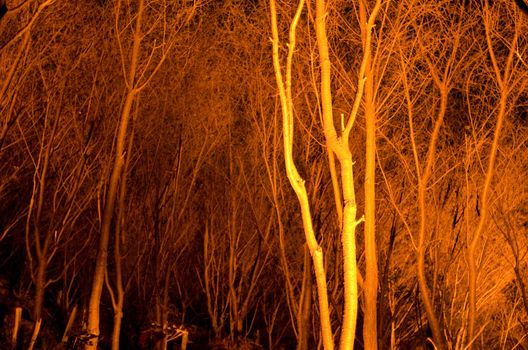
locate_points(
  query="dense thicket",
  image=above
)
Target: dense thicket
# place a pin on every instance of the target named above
(205, 237)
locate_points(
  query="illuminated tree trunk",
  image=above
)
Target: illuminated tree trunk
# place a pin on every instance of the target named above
(370, 285)
(338, 145)
(40, 287)
(505, 81)
(441, 75)
(34, 237)
(370, 291)
(305, 304)
(102, 253)
(423, 180)
(295, 179)
(118, 307)
(118, 296)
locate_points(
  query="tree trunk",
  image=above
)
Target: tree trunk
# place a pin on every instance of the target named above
(116, 331)
(102, 253)
(294, 177)
(305, 304)
(40, 288)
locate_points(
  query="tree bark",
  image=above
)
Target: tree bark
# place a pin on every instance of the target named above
(102, 253)
(370, 285)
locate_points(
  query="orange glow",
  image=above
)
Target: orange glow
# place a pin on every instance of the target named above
(263, 174)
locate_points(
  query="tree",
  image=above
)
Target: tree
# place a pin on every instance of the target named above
(507, 80)
(138, 70)
(338, 145)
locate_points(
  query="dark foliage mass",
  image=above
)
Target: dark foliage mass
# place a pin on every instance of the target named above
(3, 9)
(522, 5)
(169, 139)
